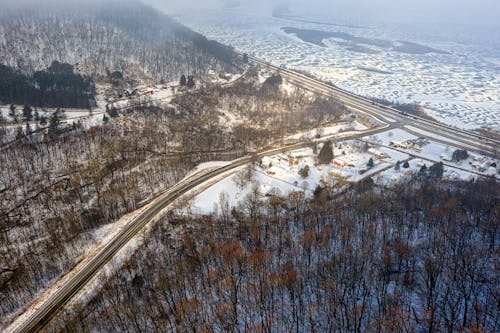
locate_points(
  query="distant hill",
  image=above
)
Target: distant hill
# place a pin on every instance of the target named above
(125, 36)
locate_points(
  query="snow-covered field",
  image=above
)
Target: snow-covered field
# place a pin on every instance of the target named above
(279, 174)
(459, 86)
(431, 151)
(329, 130)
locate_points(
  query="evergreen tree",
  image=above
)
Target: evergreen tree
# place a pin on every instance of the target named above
(116, 78)
(245, 58)
(12, 111)
(274, 80)
(36, 116)
(459, 155)
(326, 153)
(43, 121)
(105, 119)
(54, 125)
(318, 190)
(397, 167)
(304, 172)
(406, 165)
(370, 164)
(423, 171)
(183, 81)
(27, 113)
(436, 170)
(190, 81)
(19, 133)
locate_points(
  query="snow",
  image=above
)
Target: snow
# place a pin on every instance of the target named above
(432, 152)
(459, 88)
(279, 174)
(434, 136)
(207, 201)
(385, 138)
(288, 87)
(103, 235)
(391, 175)
(207, 166)
(329, 130)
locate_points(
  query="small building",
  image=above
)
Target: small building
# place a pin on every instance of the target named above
(339, 163)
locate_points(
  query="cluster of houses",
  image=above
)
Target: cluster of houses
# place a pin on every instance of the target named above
(415, 144)
(340, 161)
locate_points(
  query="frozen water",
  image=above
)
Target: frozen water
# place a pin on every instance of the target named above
(459, 86)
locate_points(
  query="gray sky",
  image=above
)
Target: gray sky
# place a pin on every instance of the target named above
(462, 13)
(482, 13)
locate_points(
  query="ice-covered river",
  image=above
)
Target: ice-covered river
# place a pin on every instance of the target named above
(456, 80)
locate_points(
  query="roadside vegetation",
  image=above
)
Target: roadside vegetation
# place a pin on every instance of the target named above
(419, 255)
(59, 187)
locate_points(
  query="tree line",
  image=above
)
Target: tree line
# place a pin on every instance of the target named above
(416, 256)
(57, 86)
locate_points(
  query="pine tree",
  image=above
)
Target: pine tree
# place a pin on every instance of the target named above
(304, 172)
(459, 155)
(54, 125)
(370, 164)
(27, 113)
(406, 165)
(326, 153)
(436, 170)
(183, 81)
(12, 111)
(190, 81)
(19, 133)
(423, 170)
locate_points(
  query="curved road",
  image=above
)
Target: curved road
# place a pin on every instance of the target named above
(428, 128)
(53, 304)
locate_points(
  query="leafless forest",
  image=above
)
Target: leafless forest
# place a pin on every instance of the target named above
(418, 256)
(125, 36)
(56, 191)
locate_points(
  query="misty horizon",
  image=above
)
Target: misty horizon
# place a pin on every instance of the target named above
(460, 13)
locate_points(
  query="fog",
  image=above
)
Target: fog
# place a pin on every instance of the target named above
(462, 13)
(458, 13)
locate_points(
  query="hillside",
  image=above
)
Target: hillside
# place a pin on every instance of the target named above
(406, 259)
(127, 36)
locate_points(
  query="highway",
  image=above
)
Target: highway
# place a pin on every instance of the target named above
(54, 303)
(460, 138)
(50, 307)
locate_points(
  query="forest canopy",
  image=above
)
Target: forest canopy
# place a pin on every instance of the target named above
(57, 86)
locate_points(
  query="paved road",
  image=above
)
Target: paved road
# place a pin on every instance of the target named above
(64, 294)
(430, 129)
(56, 302)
